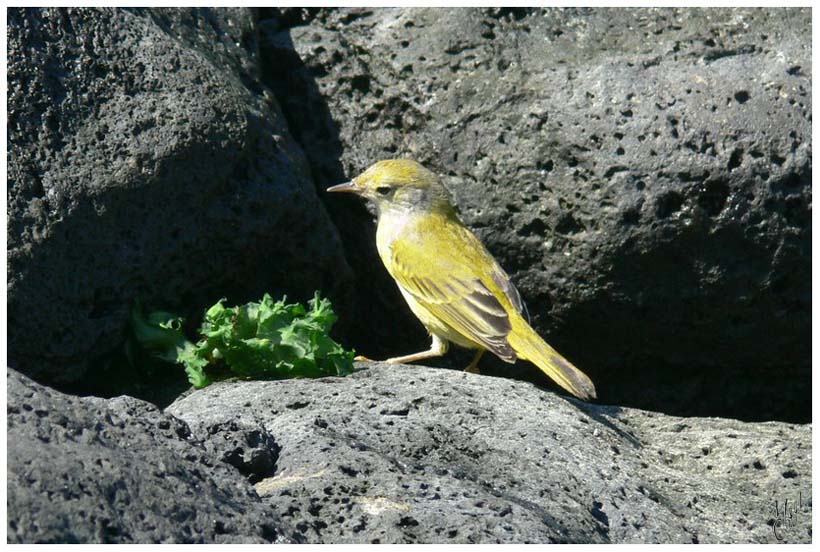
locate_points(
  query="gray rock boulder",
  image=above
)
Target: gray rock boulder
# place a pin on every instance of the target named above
(405, 454)
(83, 470)
(644, 175)
(147, 160)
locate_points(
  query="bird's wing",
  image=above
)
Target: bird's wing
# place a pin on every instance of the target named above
(453, 277)
(503, 280)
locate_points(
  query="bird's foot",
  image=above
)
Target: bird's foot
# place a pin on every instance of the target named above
(473, 367)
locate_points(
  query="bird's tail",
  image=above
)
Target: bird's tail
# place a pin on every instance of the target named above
(528, 345)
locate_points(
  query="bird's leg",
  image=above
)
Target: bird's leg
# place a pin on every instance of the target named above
(473, 367)
(437, 348)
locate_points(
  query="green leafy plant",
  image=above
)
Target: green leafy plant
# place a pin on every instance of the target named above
(268, 339)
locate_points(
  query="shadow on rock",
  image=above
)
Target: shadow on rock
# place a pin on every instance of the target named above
(381, 322)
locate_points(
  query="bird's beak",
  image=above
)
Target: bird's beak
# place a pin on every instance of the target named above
(344, 187)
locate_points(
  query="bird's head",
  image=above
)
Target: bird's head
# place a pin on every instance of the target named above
(399, 184)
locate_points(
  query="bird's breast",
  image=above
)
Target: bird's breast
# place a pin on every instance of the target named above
(391, 226)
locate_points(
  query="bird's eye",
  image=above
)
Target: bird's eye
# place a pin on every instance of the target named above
(383, 190)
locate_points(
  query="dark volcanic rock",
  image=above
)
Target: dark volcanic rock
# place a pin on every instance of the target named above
(411, 454)
(84, 470)
(146, 159)
(643, 175)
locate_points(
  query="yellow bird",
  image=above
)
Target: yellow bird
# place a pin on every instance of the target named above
(449, 279)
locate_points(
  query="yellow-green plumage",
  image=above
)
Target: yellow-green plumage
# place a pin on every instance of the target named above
(449, 279)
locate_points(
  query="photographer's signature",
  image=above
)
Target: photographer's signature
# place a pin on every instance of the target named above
(785, 514)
